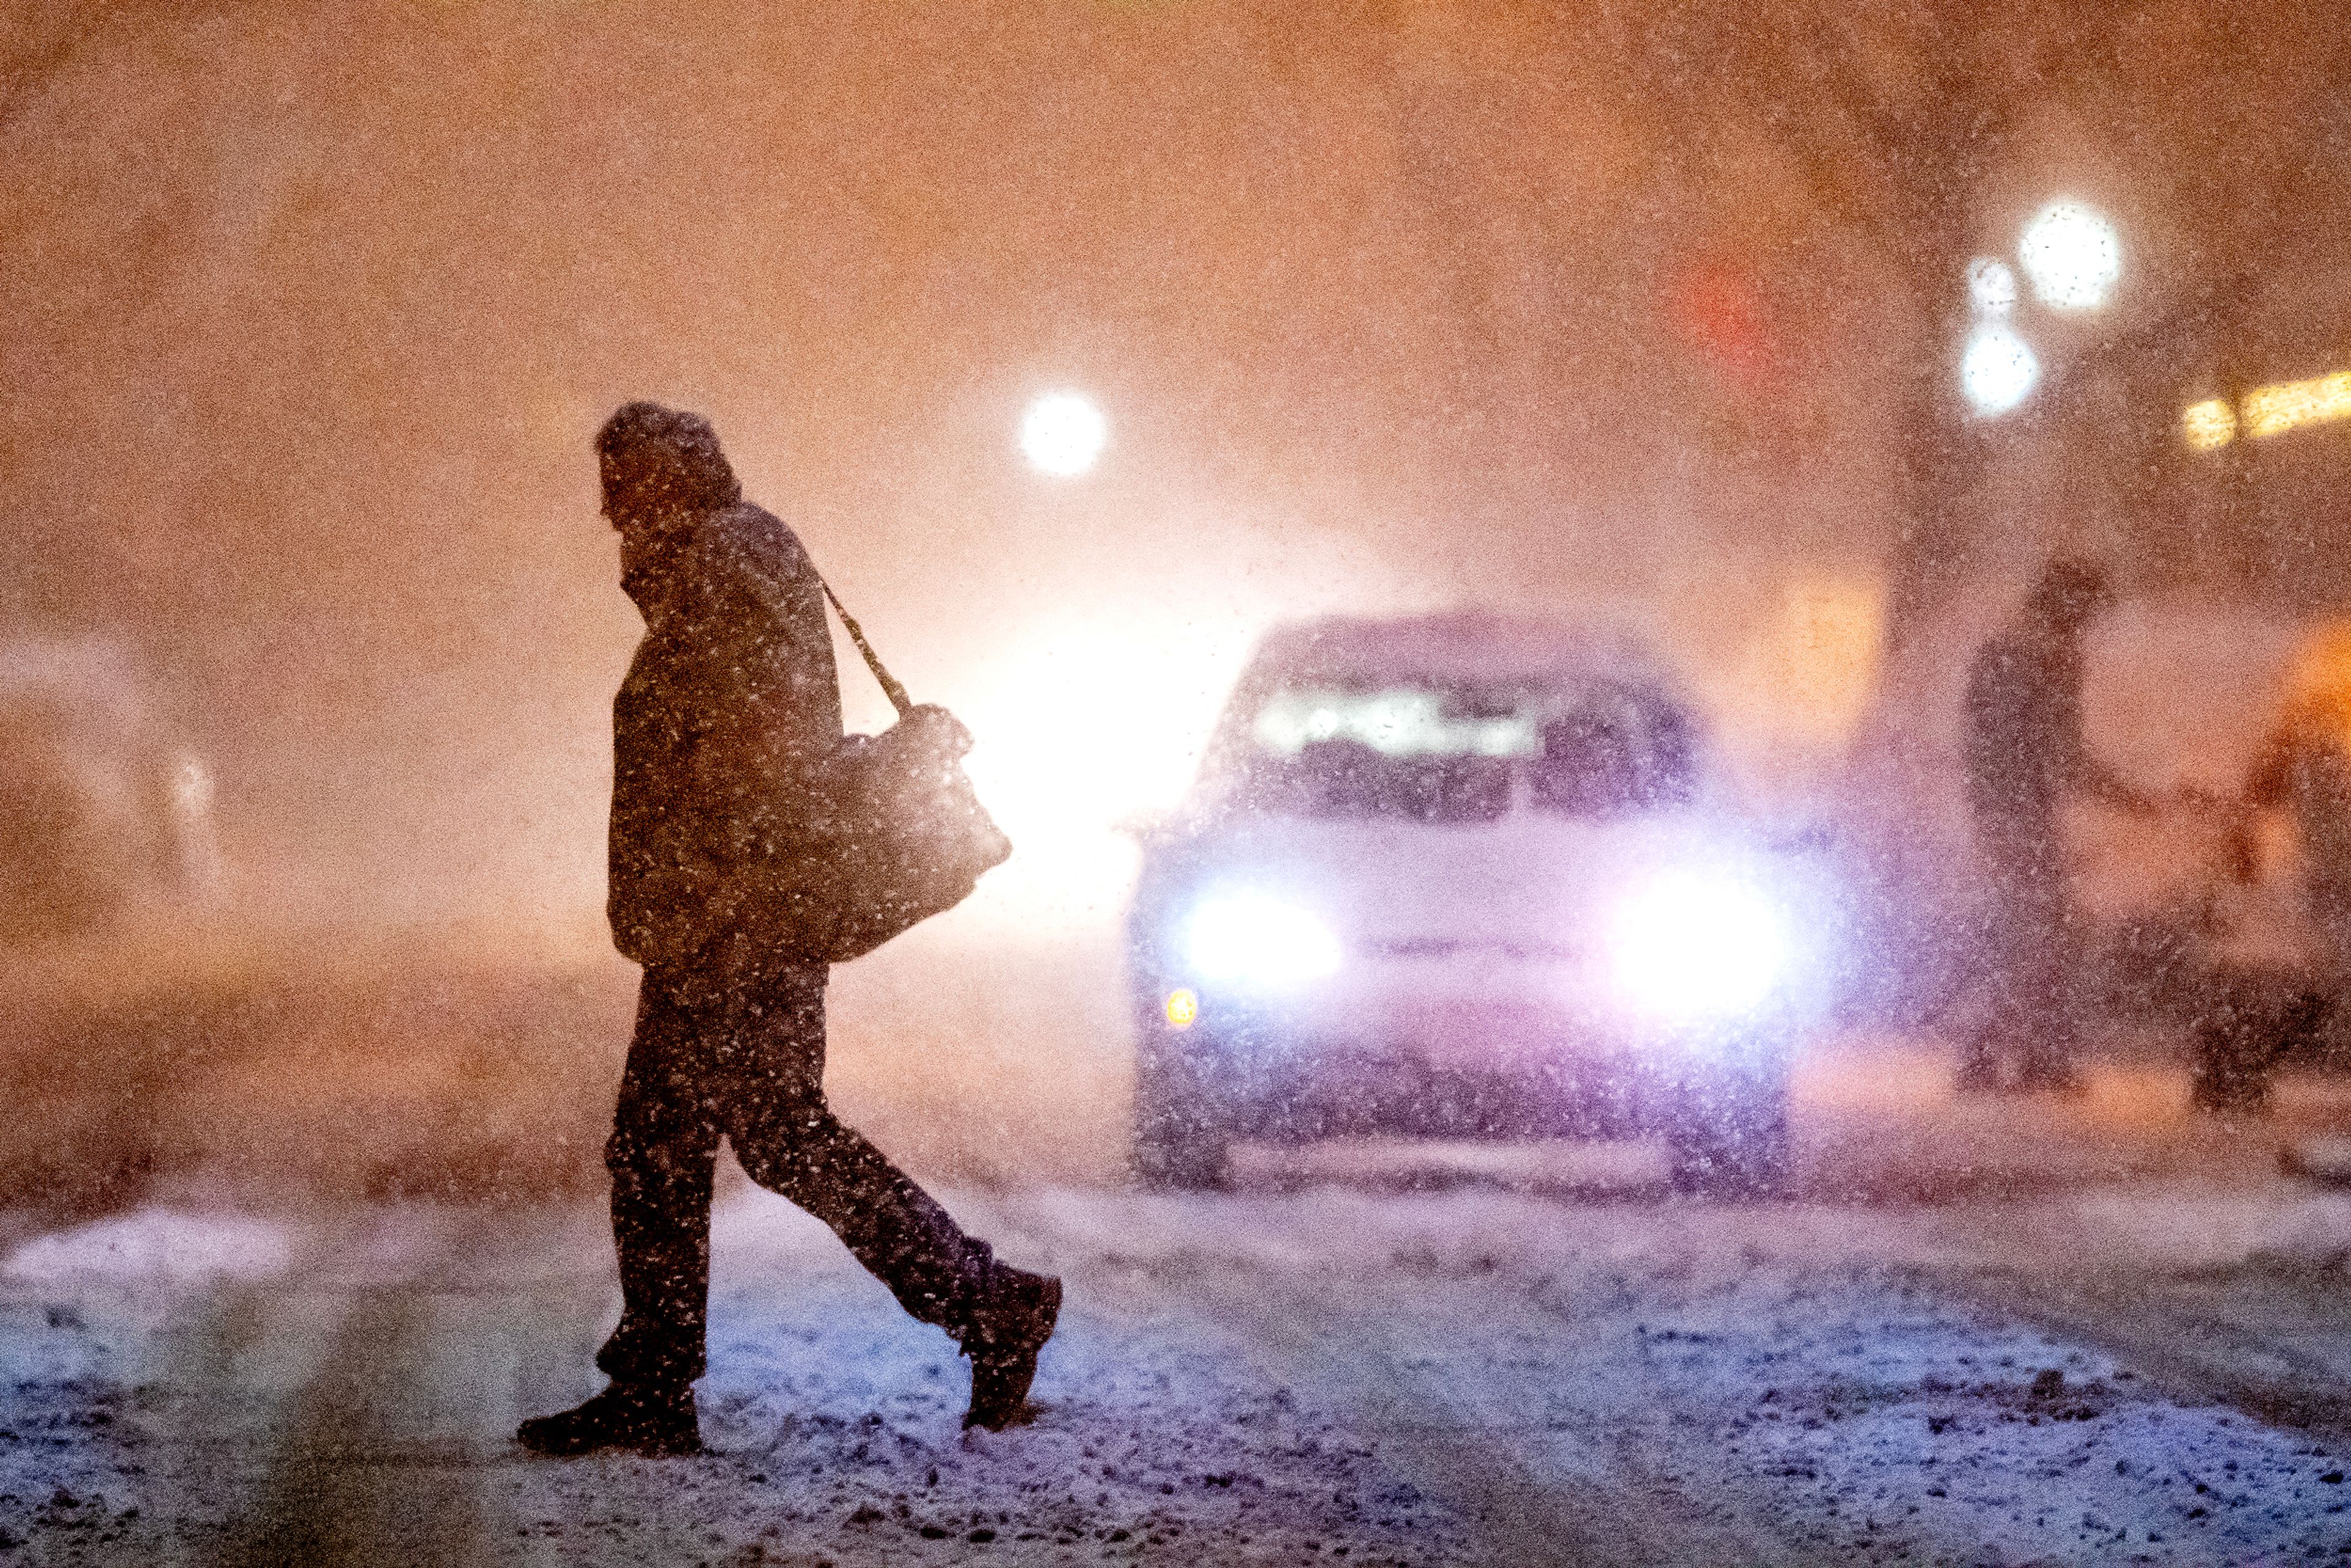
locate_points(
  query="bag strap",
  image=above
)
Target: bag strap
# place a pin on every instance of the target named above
(890, 686)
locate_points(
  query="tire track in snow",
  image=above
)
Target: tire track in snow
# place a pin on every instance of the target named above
(1538, 1490)
(2185, 1347)
(387, 1447)
(1706, 1383)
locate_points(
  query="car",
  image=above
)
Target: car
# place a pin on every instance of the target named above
(101, 809)
(1469, 875)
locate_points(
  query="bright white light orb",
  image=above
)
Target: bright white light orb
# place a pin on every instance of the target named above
(2073, 256)
(1063, 433)
(1997, 370)
(1690, 945)
(1992, 288)
(1254, 940)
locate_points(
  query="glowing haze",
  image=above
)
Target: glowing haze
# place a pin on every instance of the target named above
(312, 315)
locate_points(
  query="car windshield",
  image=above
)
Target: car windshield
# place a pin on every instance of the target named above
(1431, 753)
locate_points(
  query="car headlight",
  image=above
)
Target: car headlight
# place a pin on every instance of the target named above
(1693, 946)
(1255, 939)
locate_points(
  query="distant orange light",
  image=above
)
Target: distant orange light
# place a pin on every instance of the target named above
(2274, 410)
(1182, 1009)
(2209, 425)
(2267, 410)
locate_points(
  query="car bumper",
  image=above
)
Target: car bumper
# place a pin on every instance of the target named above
(1516, 1060)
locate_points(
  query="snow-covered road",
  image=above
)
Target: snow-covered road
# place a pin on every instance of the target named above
(2140, 1368)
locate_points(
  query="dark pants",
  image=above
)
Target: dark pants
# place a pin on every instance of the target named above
(745, 1061)
(2030, 960)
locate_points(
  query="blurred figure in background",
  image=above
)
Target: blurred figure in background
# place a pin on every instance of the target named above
(2025, 756)
(2283, 940)
(2304, 771)
(103, 814)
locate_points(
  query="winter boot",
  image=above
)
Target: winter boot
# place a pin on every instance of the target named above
(637, 1421)
(1008, 1330)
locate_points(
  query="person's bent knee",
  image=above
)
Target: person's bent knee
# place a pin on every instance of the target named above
(651, 1147)
(791, 1142)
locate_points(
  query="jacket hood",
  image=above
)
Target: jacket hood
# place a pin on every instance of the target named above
(659, 464)
(661, 469)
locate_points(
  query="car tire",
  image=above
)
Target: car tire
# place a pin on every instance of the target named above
(2252, 1022)
(1177, 1144)
(1737, 1150)
(2232, 1073)
(1194, 1164)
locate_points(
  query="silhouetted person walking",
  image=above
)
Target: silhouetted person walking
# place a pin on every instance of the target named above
(2025, 756)
(725, 733)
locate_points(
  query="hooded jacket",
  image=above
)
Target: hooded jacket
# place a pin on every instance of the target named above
(726, 720)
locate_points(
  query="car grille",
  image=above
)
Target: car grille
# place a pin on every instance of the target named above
(1457, 946)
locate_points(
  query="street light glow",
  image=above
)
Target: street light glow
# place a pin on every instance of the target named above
(1997, 370)
(1063, 433)
(2073, 256)
(1992, 288)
